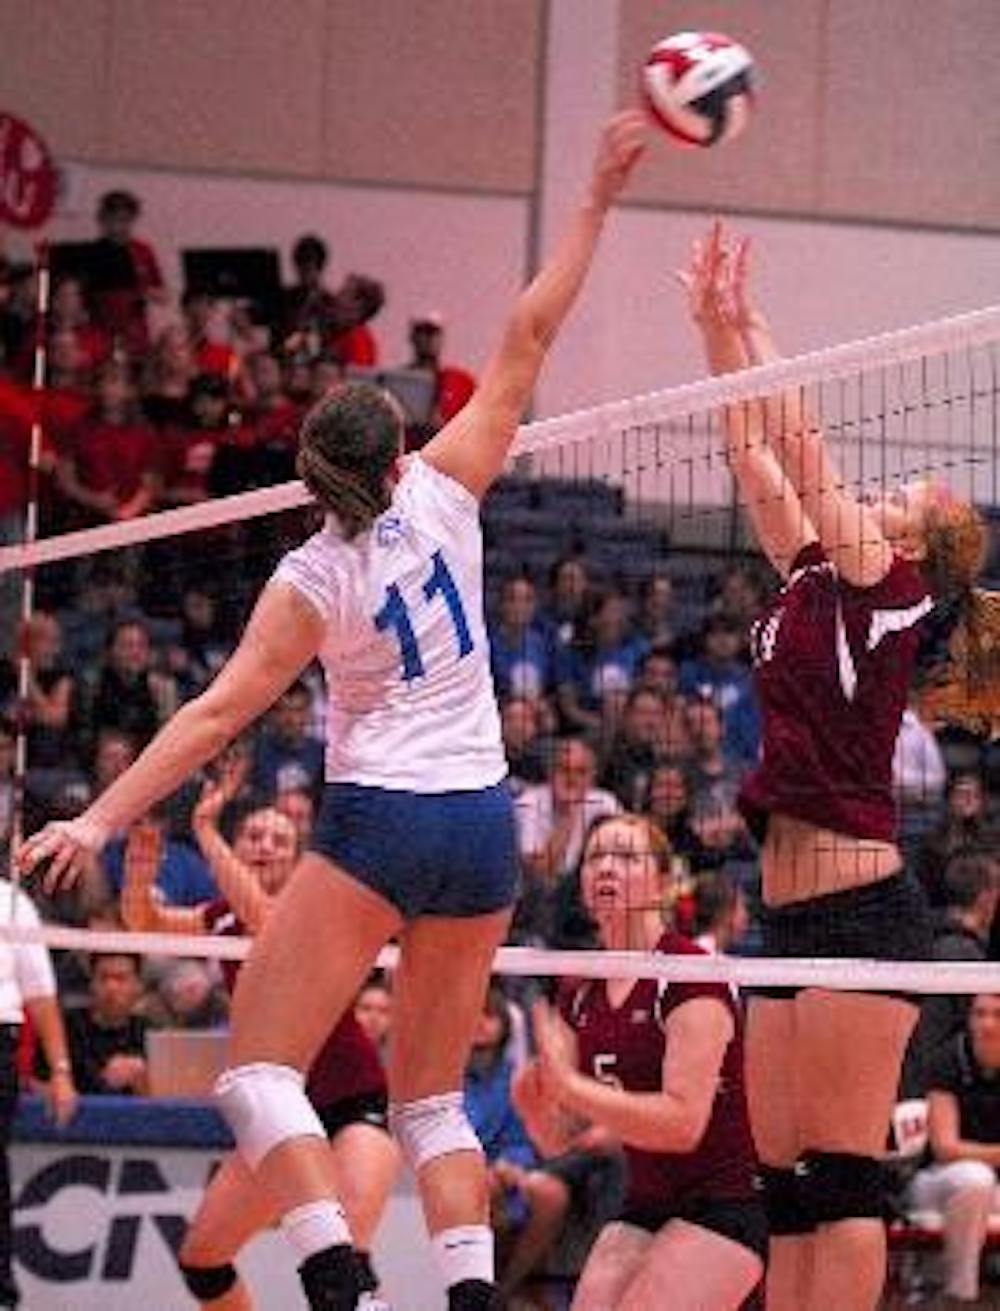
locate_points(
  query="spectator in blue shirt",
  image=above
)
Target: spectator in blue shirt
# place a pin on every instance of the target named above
(721, 674)
(286, 756)
(520, 652)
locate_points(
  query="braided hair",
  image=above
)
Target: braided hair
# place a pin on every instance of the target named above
(349, 442)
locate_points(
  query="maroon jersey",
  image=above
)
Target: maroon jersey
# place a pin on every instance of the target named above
(833, 665)
(625, 1046)
(347, 1066)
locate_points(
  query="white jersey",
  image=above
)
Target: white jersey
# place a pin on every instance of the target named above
(410, 694)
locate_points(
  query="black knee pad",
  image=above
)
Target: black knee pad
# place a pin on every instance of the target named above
(206, 1283)
(330, 1279)
(841, 1186)
(779, 1189)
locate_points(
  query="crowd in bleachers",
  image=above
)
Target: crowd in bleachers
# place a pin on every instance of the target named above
(620, 662)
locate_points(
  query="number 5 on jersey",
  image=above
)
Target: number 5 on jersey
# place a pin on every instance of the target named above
(396, 615)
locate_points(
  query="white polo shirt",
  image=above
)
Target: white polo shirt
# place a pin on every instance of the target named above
(25, 968)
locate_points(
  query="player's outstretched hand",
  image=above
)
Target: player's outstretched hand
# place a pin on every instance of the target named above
(57, 854)
(622, 141)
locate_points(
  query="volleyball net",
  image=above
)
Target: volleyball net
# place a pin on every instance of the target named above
(139, 615)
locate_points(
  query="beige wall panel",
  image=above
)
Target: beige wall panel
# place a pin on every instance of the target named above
(433, 92)
(912, 128)
(775, 165)
(52, 70)
(231, 84)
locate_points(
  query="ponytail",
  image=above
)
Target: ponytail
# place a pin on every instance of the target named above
(962, 684)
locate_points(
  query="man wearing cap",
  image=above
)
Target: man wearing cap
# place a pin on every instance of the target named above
(453, 386)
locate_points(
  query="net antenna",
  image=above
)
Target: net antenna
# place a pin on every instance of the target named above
(27, 606)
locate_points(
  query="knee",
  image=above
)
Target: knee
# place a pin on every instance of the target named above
(265, 1105)
(968, 1179)
(834, 1186)
(432, 1127)
(206, 1278)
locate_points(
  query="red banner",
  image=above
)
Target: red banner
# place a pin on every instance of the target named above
(28, 176)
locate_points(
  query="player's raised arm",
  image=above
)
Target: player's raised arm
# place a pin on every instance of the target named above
(715, 285)
(473, 447)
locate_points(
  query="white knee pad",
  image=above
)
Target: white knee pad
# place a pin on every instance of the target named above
(265, 1105)
(432, 1127)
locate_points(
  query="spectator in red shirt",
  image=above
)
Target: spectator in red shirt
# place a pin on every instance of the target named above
(453, 385)
(107, 470)
(350, 340)
(191, 445)
(68, 314)
(210, 355)
(121, 308)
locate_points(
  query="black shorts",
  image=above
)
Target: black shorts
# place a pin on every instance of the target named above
(741, 1220)
(886, 920)
(366, 1108)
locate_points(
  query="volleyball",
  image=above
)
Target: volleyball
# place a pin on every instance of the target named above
(698, 86)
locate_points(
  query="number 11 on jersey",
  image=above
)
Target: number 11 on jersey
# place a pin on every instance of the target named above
(396, 615)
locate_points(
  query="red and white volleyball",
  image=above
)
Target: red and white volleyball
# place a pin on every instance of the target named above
(699, 87)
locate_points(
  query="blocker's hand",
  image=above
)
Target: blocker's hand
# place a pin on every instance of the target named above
(57, 855)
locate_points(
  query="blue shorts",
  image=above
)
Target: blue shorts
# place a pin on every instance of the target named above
(437, 853)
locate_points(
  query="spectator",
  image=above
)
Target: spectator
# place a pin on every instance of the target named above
(108, 471)
(594, 674)
(211, 355)
(720, 673)
(569, 598)
(189, 994)
(918, 780)
(964, 1137)
(636, 748)
(123, 274)
(524, 745)
(972, 888)
(658, 673)
(68, 314)
(203, 643)
(107, 1038)
(127, 694)
(358, 299)
(967, 825)
(668, 804)
(520, 655)
(28, 988)
(453, 386)
(286, 756)
(553, 818)
(656, 621)
(373, 1011)
(721, 918)
(182, 879)
(51, 686)
(209, 454)
(273, 419)
(308, 306)
(167, 379)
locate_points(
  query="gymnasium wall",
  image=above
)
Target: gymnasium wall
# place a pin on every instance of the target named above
(436, 143)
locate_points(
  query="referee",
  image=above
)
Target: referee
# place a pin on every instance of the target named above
(27, 986)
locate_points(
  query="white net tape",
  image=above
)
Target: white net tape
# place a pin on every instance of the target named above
(948, 977)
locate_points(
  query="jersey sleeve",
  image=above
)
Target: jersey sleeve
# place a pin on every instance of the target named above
(311, 570)
(444, 497)
(32, 962)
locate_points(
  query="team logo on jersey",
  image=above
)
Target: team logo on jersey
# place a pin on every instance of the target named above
(639, 1017)
(389, 529)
